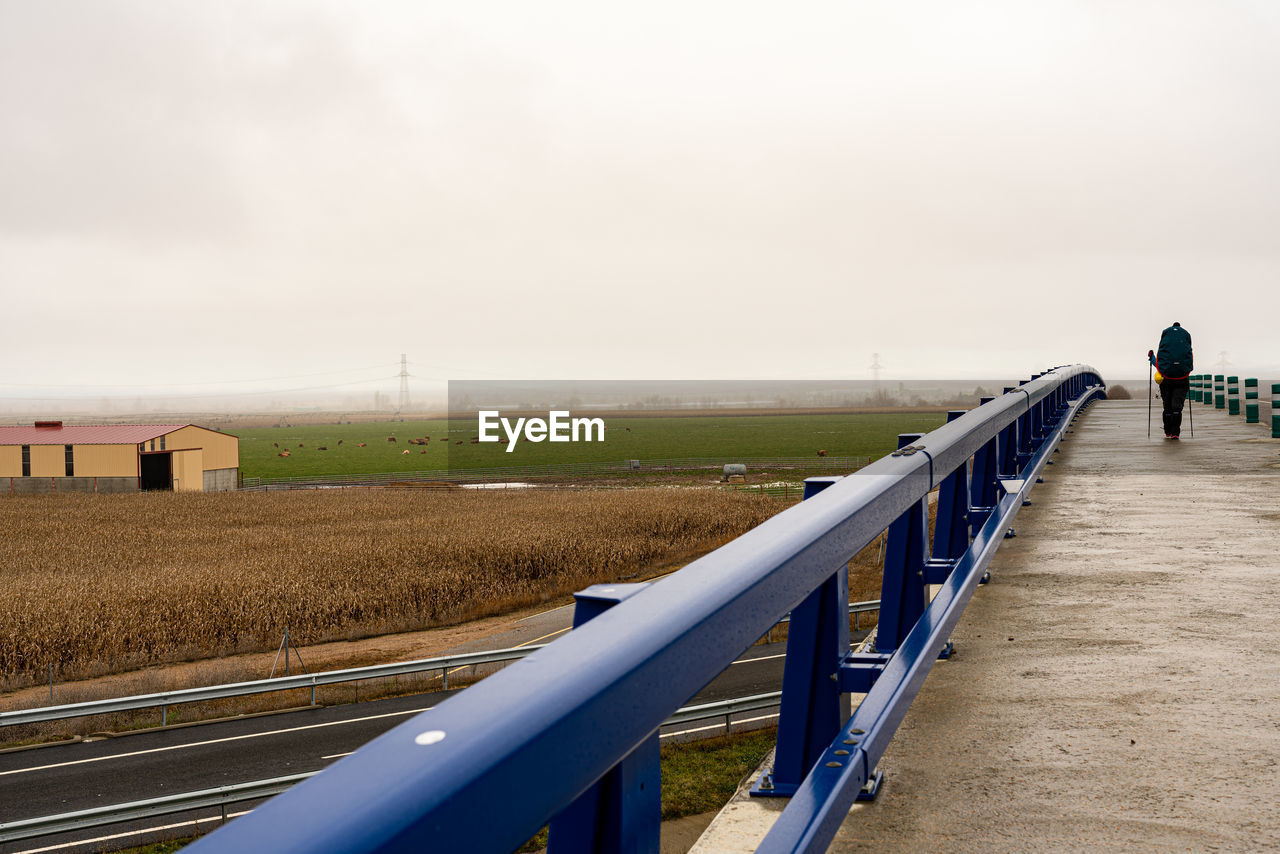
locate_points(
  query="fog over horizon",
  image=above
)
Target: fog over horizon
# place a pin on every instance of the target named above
(209, 203)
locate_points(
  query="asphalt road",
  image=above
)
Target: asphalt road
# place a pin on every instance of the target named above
(152, 763)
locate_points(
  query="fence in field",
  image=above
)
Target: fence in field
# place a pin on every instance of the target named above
(584, 757)
(501, 474)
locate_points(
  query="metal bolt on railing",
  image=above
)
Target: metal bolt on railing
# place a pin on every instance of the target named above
(1233, 395)
(1251, 400)
(1219, 393)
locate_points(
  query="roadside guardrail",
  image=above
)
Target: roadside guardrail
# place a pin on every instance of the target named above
(163, 699)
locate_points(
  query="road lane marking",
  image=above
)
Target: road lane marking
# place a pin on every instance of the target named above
(544, 637)
(193, 823)
(758, 658)
(542, 613)
(212, 741)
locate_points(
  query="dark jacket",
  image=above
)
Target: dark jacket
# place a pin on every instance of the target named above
(1174, 358)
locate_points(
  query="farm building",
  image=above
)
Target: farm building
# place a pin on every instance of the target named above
(48, 457)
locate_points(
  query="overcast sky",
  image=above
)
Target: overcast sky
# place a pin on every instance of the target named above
(193, 192)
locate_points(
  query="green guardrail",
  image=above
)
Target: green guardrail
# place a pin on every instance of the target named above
(1219, 392)
(1233, 395)
(1251, 400)
(1275, 410)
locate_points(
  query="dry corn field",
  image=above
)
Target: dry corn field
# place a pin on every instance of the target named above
(98, 584)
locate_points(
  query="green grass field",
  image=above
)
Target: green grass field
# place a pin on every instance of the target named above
(713, 435)
(718, 436)
(260, 449)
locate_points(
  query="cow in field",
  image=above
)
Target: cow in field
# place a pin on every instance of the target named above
(405, 452)
(459, 442)
(275, 444)
(391, 438)
(422, 452)
(283, 454)
(299, 444)
(822, 453)
(322, 448)
(339, 441)
(361, 445)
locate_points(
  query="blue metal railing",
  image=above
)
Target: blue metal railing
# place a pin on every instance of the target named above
(567, 735)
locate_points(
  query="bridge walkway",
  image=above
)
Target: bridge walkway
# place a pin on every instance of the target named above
(1117, 685)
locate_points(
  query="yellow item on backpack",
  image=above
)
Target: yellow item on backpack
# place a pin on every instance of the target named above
(1159, 378)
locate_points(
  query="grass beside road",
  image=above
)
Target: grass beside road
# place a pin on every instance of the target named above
(700, 776)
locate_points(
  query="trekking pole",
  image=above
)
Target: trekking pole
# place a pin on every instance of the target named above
(1191, 410)
(1150, 369)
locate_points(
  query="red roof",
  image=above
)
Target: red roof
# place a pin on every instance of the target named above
(94, 434)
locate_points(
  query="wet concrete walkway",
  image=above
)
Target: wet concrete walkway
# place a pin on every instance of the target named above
(1117, 685)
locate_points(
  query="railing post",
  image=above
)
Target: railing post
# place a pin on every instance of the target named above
(622, 812)
(1251, 400)
(1233, 395)
(1197, 388)
(903, 595)
(951, 529)
(1219, 397)
(1007, 455)
(1026, 434)
(982, 484)
(812, 707)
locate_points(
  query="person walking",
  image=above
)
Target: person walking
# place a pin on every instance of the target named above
(1174, 362)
